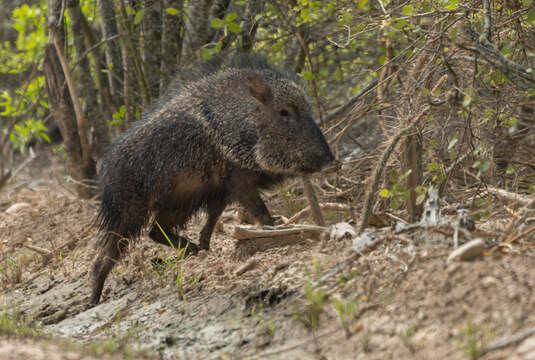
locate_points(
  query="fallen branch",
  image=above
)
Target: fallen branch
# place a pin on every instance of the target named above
(242, 233)
(41, 251)
(509, 196)
(504, 342)
(517, 74)
(508, 233)
(248, 266)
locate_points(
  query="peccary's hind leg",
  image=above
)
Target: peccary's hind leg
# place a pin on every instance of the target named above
(255, 207)
(168, 220)
(214, 210)
(107, 257)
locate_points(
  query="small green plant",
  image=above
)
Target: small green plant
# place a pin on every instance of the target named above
(15, 324)
(470, 338)
(398, 192)
(120, 342)
(11, 270)
(291, 201)
(406, 337)
(364, 341)
(167, 264)
(266, 325)
(315, 306)
(346, 312)
(315, 301)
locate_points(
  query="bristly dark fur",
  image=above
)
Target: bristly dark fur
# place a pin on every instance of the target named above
(222, 132)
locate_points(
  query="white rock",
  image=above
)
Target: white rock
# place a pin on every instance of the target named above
(342, 230)
(365, 239)
(15, 208)
(468, 251)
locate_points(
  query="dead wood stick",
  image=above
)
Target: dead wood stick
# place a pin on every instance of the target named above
(241, 233)
(375, 178)
(504, 342)
(324, 206)
(243, 269)
(312, 201)
(508, 232)
(39, 250)
(515, 237)
(80, 118)
(509, 196)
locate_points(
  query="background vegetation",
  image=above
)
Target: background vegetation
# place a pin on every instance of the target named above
(456, 75)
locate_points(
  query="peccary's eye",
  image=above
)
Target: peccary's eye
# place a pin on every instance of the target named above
(284, 112)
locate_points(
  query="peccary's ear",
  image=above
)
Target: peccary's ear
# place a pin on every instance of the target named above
(259, 89)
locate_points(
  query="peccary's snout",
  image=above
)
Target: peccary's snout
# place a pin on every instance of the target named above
(318, 155)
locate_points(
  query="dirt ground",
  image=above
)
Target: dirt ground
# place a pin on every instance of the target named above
(401, 301)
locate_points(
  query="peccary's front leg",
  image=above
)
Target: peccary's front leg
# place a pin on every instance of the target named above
(215, 208)
(255, 207)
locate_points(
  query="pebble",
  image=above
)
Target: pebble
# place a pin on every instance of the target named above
(468, 251)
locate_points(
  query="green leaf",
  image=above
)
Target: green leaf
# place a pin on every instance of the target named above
(432, 166)
(230, 17)
(172, 11)
(45, 137)
(362, 3)
(235, 28)
(207, 54)
(308, 75)
(452, 5)
(526, 3)
(139, 16)
(452, 143)
(407, 10)
(531, 16)
(217, 23)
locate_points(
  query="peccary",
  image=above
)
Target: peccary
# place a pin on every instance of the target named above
(231, 128)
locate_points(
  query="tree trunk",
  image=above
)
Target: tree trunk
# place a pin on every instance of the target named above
(197, 27)
(61, 106)
(86, 85)
(218, 10)
(171, 40)
(107, 107)
(152, 24)
(250, 25)
(113, 52)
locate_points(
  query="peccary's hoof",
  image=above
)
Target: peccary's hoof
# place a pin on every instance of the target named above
(192, 249)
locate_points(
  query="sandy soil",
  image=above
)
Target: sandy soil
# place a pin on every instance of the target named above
(402, 301)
